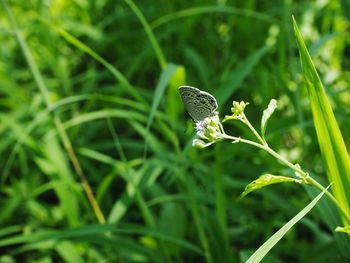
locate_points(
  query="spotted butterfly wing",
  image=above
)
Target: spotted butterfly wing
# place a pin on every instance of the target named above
(199, 104)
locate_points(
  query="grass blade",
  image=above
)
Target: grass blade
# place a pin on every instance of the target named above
(149, 32)
(272, 241)
(329, 137)
(164, 79)
(211, 9)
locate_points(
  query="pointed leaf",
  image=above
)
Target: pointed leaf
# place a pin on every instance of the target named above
(266, 180)
(162, 84)
(163, 81)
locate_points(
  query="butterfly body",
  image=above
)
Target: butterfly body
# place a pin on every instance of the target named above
(199, 104)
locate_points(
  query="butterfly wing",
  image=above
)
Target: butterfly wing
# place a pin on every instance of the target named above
(199, 104)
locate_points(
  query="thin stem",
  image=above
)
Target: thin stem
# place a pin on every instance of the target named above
(299, 172)
(285, 161)
(246, 121)
(79, 171)
(239, 139)
(306, 177)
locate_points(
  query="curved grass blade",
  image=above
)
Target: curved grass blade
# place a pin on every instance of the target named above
(211, 9)
(149, 32)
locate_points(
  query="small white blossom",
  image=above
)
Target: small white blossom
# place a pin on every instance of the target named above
(209, 131)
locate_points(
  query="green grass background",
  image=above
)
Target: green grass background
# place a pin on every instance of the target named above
(102, 77)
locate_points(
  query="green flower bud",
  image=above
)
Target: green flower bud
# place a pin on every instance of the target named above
(237, 111)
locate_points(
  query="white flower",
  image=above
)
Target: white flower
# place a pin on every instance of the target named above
(209, 131)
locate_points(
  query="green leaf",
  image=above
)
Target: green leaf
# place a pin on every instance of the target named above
(266, 180)
(345, 229)
(174, 107)
(329, 137)
(164, 80)
(272, 241)
(266, 116)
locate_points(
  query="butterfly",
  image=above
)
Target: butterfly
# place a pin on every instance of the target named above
(199, 104)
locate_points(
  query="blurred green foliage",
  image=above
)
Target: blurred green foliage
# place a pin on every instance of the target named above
(110, 72)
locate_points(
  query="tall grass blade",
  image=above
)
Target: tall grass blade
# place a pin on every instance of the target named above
(164, 79)
(329, 137)
(149, 32)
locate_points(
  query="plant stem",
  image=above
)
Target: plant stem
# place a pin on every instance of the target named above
(246, 121)
(299, 172)
(306, 177)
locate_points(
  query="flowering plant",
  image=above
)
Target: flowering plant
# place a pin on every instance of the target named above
(210, 130)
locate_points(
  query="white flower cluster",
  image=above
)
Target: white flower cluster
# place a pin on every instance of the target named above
(209, 131)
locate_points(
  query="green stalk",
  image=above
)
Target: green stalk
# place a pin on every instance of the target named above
(303, 175)
(245, 120)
